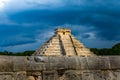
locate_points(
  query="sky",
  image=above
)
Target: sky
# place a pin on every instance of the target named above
(27, 24)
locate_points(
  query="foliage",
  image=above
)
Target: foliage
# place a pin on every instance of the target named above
(25, 53)
(115, 50)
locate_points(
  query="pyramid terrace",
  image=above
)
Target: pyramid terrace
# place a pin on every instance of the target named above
(63, 43)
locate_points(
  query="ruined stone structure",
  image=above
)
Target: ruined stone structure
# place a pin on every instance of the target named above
(62, 57)
(63, 43)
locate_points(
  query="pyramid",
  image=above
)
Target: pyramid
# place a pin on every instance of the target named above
(63, 43)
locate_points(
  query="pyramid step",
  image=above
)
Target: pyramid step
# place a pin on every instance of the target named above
(54, 43)
(78, 44)
(50, 46)
(56, 40)
(63, 41)
(68, 45)
(66, 40)
(82, 49)
(52, 53)
(53, 49)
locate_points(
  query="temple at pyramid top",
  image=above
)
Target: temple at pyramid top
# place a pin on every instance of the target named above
(63, 31)
(63, 43)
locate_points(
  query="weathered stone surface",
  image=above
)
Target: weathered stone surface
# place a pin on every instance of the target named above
(104, 62)
(62, 57)
(117, 74)
(50, 75)
(70, 75)
(69, 61)
(60, 63)
(20, 63)
(114, 64)
(83, 62)
(93, 63)
(6, 77)
(20, 75)
(30, 78)
(63, 43)
(6, 63)
(92, 68)
(87, 76)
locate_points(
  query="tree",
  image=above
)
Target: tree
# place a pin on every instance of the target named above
(115, 50)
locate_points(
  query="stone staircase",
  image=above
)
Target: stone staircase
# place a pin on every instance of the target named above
(67, 45)
(54, 47)
(63, 43)
(80, 48)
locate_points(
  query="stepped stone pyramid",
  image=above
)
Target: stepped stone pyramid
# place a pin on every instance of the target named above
(63, 43)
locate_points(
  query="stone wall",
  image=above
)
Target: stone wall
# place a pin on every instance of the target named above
(60, 68)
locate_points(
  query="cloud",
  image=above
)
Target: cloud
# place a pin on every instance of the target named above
(16, 40)
(105, 22)
(15, 43)
(20, 48)
(10, 5)
(3, 4)
(89, 21)
(58, 4)
(25, 42)
(44, 35)
(88, 35)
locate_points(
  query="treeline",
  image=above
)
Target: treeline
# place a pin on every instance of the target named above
(25, 53)
(115, 50)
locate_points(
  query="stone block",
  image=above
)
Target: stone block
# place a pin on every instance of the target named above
(114, 62)
(87, 75)
(21, 75)
(70, 63)
(6, 64)
(57, 63)
(6, 77)
(20, 63)
(93, 63)
(104, 62)
(50, 75)
(83, 62)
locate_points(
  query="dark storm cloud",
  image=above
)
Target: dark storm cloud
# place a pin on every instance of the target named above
(12, 42)
(85, 36)
(105, 21)
(15, 35)
(37, 17)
